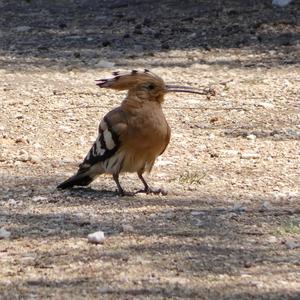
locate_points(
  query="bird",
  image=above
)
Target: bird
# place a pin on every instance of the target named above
(131, 136)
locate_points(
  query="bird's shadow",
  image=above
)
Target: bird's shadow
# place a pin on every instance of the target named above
(90, 192)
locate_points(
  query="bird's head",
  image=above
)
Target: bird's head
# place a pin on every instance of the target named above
(145, 85)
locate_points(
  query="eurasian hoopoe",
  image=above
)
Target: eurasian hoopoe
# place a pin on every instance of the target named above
(132, 135)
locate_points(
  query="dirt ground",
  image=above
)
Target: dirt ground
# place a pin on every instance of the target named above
(229, 227)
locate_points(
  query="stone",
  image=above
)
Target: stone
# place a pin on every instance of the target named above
(96, 237)
(251, 137)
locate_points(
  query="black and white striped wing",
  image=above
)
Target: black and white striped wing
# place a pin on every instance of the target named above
(103, 156)
(105, 146)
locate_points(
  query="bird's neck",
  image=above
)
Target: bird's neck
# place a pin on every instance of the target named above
(134, 102)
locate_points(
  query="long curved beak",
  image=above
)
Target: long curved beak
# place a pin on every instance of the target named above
(186, 89)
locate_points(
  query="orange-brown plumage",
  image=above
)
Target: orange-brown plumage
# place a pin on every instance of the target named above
(132, 135)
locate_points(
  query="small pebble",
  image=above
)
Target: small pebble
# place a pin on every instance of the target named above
(96, 237)
(251, 137)
(4, 234)
(35, 159)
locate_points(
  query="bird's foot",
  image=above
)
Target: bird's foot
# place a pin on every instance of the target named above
(159, 191)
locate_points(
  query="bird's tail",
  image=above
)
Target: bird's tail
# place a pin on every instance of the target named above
(81, 179)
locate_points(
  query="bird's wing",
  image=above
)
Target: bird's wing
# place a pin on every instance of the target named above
(108, 142)
(167, 141)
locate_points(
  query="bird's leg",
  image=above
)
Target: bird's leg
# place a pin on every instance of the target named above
(120, 189)
(147, 189)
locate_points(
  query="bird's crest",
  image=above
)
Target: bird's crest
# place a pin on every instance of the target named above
(126, 81)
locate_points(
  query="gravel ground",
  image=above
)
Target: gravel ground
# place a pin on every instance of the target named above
(229, 227)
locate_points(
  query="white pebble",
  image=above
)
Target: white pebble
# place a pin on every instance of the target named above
(251, 137)
(96, 237)
(4, 234)
(35, 159)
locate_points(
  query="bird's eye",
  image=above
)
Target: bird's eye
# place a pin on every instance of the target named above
(151, 86)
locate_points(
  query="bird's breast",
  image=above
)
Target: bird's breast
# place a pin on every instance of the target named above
(149, 131)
